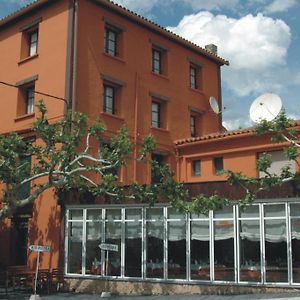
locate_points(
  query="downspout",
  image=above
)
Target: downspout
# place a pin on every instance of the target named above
(135, 128)
(74, 54)
(70, 56)
(70, 105)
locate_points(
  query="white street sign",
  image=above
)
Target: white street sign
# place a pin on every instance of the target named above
(39, 248)
(109, 247)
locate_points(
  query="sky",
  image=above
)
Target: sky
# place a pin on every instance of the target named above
(260, 38)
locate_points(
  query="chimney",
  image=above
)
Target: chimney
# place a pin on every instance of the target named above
(212, 48)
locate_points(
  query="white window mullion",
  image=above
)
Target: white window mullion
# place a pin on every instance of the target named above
(165, 243)
(289, 243)
(144, 259)
(262, 243)
(188, 247)
(238, 245)
(84, 242)
(123, 230)
(67, 241)
(211, 246)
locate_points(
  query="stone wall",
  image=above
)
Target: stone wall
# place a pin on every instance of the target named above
(97, 286)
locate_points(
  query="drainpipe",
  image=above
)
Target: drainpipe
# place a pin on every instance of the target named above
(135, 128)
(74, 54)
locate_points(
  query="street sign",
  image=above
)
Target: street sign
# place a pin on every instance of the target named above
(38, 248)
(109, 247)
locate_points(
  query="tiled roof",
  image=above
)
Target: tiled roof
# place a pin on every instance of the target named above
(214, 136)
(225, 134)
(169, 33)
(20, 11)
(130, 14)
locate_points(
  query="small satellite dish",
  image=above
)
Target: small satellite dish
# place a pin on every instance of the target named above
(214, 104)
(265, 107)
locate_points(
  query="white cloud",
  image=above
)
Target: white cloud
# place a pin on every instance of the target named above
(256, 46)
(279, 6)
(297, 78)
(211, 4)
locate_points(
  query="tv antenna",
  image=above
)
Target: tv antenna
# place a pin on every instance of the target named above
(214, 105)
(265, 107)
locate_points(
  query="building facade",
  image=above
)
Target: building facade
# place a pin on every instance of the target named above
(98, 58)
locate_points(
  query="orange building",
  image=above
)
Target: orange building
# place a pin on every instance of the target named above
(98, 58)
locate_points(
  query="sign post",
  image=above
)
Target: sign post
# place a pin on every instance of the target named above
(107, 248)
(37, 249)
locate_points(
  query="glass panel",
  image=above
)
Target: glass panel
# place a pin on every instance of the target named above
(75, 214)
(224, 250)
(251, 211)
(277, 210)
(133, 214)
(225, 213)
(113, 236)
(276, 251)
(174, 214)
(177, 250)
(199, 216)
(94, 214)
(75, 247)
(155, 253)
(250, 251)
(200, 268)
(113, 214)
(154, 214)
(295, 227)
(93, 252)
(133, 249)
(295, 210)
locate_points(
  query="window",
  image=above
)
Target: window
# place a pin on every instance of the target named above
(196, 168)
(195, 73)
(111, 42)
(26, 99)
(155, 121)
(158, 160)
(32, 42)
(25, 165)
(193, 77)
(30, 39)
(218, 164)
(279, 160)
(193, 126)
(156, 61)
(29, 100)
(109, 99)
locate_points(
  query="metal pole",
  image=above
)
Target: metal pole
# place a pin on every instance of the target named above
(36, 272)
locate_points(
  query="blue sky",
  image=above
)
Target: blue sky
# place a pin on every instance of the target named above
(260, 38)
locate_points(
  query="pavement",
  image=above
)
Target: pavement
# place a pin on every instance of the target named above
(77, 296)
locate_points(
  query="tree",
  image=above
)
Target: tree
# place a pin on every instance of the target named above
(71, 154)
(282, 130)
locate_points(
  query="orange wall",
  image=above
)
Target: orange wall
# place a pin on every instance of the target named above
(133, 67)
(239, 155)
(49, 65)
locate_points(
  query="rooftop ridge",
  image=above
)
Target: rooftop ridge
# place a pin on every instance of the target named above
(172, 35)
(224, 134)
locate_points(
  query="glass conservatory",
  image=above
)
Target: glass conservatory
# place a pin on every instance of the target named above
(257, 246)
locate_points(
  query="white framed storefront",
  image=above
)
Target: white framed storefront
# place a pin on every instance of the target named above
(257, 246)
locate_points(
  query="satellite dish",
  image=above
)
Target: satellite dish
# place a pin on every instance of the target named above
(265, 107)
(214, 104)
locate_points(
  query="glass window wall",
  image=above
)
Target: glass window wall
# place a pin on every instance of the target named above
(258, 245)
